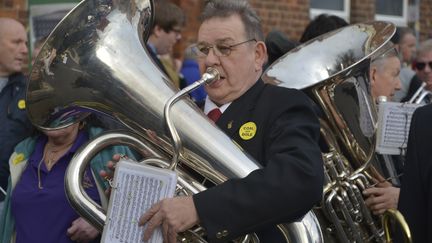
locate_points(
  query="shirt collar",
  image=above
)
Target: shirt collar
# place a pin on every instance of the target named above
(210, 105)
(37, 155)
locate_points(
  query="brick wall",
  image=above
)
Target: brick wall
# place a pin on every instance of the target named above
(425, 19)
(288, 16)
(362, 11)
(16, 9)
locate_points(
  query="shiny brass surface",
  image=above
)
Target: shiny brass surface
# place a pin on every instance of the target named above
(420, 94)
(399, 218)
(96, 60)
(333, 70)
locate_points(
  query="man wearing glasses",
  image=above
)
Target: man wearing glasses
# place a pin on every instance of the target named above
(283, 135)
(166, 32)
(423, 69)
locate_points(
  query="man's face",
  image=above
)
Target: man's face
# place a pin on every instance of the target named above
(166, 39)
(13, 49)
(241, 68)
(408, 48)
(385, 78)
(425, 71)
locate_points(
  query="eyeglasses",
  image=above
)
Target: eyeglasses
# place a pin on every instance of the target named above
(220, 50)
(422, 65)
(177, 30)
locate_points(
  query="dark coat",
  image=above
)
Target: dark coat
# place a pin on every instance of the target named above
(415, 201)
(415, 84)
(286, 143)
(15, 126)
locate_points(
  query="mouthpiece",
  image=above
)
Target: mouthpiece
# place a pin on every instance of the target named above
(211, 74)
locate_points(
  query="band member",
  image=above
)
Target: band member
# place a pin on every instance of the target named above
(416, 190)
(423, 69)
(13, 116)
(385, 81)
(284, 138)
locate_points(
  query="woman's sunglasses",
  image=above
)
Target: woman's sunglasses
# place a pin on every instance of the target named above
(422, 65)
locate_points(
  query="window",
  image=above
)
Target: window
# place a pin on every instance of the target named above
(332, 7)
(395, 11)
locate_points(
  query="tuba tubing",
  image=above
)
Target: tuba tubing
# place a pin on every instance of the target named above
(75, 192)
(420, 94)
(337, 80)
(96, 60)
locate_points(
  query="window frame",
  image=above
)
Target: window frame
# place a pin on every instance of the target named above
(396, 19)
(345, 14)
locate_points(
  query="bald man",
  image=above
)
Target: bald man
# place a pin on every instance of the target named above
(13, 118)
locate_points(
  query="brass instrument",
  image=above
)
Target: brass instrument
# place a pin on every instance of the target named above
(333, 69)
(96, 60)
(420, 94)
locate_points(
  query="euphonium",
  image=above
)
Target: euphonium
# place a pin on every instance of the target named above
(333, 69)
(96, 60)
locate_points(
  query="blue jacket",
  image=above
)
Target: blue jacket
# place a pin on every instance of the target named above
(15, 126)
(191, 73)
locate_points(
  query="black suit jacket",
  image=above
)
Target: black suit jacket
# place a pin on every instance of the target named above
(415, 201)
(415, 84)
(286, 143)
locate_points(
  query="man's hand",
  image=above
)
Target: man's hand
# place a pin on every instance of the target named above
(174, 214)
(81, 231)
(381, 198)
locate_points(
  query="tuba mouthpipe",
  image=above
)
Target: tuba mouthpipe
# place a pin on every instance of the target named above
(209, 76)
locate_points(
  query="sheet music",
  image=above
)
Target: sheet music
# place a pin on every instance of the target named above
(394, 120)
(136, 188)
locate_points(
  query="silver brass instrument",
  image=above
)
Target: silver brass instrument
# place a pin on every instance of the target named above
(420, 94)
(96, 60)
(333, 69)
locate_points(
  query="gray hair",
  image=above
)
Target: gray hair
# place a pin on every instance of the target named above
(242, 8)
(385, 52)
(424, 47)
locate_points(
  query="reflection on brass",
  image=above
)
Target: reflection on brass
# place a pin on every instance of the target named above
(333, 70)
(96, 61)
(399, 218)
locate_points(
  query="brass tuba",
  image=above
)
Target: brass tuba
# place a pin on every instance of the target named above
(96, 60)
(333, 69)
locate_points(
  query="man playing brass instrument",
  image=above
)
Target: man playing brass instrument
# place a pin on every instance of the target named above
(385, 81)
(423, 69)
(280, 130)
(416, 190)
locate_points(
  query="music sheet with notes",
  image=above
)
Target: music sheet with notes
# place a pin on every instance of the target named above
(136, 187)
(394, 120)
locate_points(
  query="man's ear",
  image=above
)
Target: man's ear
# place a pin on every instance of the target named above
(260, 55)
(157, 31)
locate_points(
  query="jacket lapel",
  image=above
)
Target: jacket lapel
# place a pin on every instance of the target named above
(240, 110)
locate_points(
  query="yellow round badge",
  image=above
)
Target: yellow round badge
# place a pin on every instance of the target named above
(18, 158)
(21, 104)
(248, 130)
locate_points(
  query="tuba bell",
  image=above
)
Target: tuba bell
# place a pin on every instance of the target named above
(96, 61)
(333, 69)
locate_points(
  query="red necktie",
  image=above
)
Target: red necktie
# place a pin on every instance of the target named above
(214, 114)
